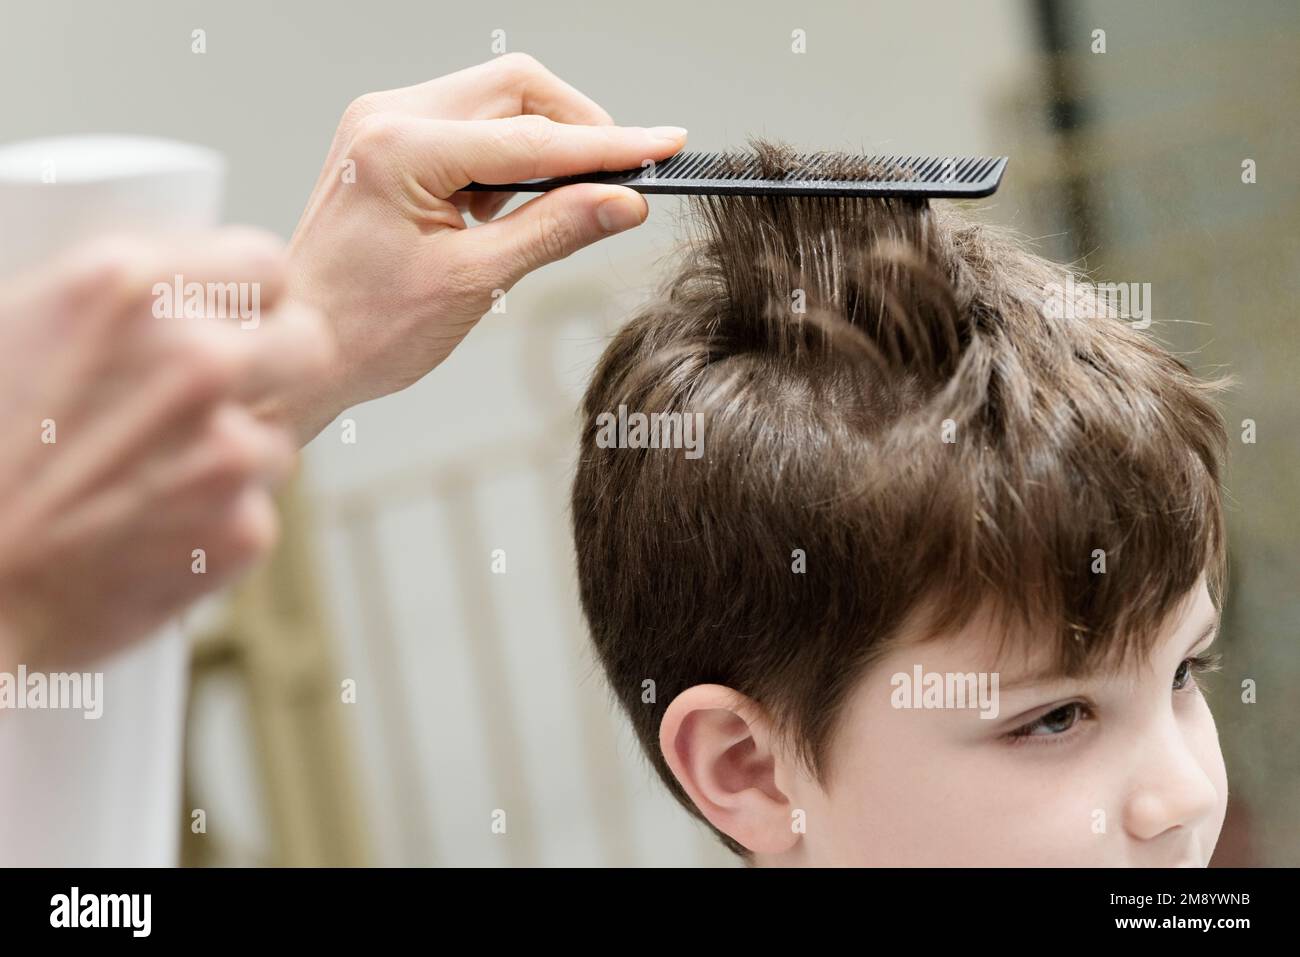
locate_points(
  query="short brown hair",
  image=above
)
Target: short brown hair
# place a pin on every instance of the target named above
(923, 431)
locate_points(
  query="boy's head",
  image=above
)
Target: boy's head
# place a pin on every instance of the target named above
(914, 468)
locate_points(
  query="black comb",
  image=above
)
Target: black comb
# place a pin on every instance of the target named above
(723, 174)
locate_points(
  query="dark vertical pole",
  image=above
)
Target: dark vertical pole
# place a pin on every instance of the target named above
(1068, 115)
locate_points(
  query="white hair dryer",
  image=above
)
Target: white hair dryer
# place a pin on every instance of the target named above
(104, 792)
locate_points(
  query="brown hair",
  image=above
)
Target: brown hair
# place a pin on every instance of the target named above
(922, 430)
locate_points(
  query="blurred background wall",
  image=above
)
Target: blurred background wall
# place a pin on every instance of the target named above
(474, 691)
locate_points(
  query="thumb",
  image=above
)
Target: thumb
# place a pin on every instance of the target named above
(553, 226)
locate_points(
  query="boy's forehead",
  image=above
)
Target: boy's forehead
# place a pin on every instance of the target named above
(982, 643)
(1021, 654)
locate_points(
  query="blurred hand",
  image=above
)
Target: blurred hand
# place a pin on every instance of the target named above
(383, 249)
(128, 442)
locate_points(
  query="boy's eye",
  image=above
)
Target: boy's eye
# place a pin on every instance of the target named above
(1055, 722)
(1191, 667)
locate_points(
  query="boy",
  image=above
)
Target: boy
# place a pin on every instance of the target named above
(938, 586)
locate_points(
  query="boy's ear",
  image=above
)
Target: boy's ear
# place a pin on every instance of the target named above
(718, 744)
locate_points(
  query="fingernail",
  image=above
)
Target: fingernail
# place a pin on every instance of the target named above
(616, 215)
(673, 133)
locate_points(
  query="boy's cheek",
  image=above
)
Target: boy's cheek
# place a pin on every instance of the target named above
(1210, 755)
(900, 811)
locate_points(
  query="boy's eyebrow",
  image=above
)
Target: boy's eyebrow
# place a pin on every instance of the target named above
(1211, 629)
(1046, 675)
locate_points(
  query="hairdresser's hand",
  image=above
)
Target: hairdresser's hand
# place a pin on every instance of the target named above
(128, 441)
(383, 248)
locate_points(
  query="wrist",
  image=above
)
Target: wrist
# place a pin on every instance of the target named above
(309, 405)
(304, 410)
(11, 646)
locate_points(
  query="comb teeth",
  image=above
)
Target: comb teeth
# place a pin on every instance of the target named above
(810, 174)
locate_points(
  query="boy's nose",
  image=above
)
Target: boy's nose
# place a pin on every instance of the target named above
(1171, 789)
